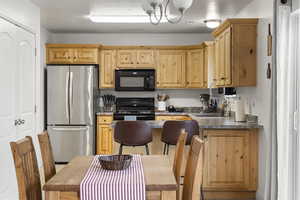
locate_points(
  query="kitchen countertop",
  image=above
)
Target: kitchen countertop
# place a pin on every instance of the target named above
(205, 122)
(104, 113)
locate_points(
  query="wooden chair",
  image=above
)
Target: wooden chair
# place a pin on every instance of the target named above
(194, 171)
(28, 176)
(177, 166)
(47, 156)
(178, 159)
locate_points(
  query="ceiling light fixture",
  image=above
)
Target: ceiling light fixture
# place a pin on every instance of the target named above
(155, 10)
(212, 23)
(119, 19)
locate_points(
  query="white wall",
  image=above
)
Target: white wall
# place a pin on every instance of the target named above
(296, 4)
(26, 14)
(260, 96)
(131, 38)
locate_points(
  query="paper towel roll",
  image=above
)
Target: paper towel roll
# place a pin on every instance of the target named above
(240, 111)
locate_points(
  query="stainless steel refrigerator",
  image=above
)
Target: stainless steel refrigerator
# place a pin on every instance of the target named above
(70, 110)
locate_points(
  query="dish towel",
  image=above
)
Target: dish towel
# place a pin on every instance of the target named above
(100, 184)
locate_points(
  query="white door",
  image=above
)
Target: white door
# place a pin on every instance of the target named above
(17, 66)
(26, 83)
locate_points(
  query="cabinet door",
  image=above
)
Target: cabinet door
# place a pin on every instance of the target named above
(221, 66)
(60, 56)
(227, 57)
(126, 58)
(227, 159)
(107, 68)
(217, 62)
(196, 72)
(145, 58)
(104, 139)
(171, 69)
(86, 56)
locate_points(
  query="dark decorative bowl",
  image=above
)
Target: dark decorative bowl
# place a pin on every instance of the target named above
(115, 162)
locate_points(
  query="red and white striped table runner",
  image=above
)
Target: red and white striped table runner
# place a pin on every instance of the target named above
(100, 184)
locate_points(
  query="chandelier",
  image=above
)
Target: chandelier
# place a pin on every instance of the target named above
(156, 9)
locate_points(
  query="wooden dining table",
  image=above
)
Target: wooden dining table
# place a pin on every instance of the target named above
(65, 185)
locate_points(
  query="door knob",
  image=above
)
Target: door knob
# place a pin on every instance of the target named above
(18, 122)
(22, 121)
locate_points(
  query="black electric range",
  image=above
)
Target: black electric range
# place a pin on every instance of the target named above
(135, 109)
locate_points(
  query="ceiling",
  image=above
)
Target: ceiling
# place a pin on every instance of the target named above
(70, 16)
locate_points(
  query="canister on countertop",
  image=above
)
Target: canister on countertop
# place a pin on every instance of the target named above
(240, 110)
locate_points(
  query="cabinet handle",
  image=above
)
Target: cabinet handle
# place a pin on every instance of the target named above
(222, 78)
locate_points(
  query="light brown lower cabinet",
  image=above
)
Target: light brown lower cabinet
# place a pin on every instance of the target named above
(230, 165)
(104, 141)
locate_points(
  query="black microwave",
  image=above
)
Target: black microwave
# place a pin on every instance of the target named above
(135, 80)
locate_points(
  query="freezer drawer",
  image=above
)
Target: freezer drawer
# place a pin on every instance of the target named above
(70, 141)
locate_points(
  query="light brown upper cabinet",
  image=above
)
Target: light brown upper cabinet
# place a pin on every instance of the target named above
(171, 71)
(132, 58)
(235, 49)
(72, 54)
(196, 69)
(107, 68)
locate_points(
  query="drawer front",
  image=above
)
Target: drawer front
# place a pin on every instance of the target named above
(86, 56)
(177, 117)
(60, 56)
(103, 119)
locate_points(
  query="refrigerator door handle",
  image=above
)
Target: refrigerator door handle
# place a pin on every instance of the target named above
(70, 129)
(67, 96)
(71, 91)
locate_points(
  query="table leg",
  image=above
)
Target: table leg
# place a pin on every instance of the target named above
(168, 195)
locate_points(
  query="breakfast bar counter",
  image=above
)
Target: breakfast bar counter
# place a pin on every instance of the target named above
(208, 123)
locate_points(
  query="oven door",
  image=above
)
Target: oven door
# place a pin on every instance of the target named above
(135, 80)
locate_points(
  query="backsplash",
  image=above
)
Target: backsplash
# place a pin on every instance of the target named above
(178, 97)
